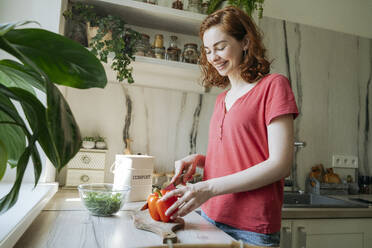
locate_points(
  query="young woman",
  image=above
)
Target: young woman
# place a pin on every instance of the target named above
(250, 145)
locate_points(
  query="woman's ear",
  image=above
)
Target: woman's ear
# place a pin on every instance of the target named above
(245, 44)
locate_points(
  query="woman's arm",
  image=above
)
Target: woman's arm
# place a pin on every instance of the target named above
(277, 166)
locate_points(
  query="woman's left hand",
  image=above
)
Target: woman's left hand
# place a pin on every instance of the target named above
(190, 198)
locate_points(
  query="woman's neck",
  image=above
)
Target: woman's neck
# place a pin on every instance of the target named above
(236, 82)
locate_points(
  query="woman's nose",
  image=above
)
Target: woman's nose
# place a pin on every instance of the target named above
(215, 57)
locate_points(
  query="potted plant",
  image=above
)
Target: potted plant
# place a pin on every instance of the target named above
(50, 124)
(110, 36)
(100, 142)
(88, 142)
(249, 6)
(77, 17)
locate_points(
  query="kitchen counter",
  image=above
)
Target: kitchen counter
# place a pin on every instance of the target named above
(328, 213)
(64, 222)
(31, 201)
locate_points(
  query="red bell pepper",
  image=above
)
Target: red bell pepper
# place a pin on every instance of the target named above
(157, 208)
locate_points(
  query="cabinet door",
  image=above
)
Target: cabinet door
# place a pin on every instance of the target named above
(286, 234)
(324, 233)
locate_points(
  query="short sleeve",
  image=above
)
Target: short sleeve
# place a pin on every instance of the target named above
(280, 99)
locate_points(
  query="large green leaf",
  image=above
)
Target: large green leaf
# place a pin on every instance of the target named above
(6, 27)
(64, 61)
(11, 130)
(55, 127)
(37, 163)
(62, 125)
(11, 198)
(11, 77)
(36, 115)
(33, 78)
(3, 159)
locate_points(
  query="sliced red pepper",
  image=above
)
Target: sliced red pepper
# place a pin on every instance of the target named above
(158, 208)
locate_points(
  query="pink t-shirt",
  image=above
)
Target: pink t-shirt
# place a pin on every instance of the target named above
(237, 141)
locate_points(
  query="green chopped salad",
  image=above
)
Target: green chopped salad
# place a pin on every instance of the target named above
(101, 203)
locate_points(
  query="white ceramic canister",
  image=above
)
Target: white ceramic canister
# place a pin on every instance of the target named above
(136, 172)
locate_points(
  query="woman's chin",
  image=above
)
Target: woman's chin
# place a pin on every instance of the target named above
(222, 73)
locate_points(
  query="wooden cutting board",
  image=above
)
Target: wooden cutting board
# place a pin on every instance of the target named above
(142, 220)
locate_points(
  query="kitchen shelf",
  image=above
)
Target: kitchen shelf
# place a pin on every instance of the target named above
(165, 74)
(186, 66)
(151, 16)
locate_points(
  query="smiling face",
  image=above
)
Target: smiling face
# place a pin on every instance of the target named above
(223, 51)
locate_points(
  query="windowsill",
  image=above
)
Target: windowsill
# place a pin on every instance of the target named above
(30, 203)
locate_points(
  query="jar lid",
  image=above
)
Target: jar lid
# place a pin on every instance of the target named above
(157, 174)
(191, 44)
(145, 36)
(169, 174)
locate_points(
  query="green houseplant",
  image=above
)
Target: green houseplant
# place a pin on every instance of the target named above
(45, 59)
(121, 43)
(100, 142)
(88, 142)
(249, 6)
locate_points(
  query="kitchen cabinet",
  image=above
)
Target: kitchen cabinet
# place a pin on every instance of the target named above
(86, 167)
(324, 233)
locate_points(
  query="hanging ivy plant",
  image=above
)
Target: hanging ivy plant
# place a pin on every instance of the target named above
(249, 6)
(121, 43)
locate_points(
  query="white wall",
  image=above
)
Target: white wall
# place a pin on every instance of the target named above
(47, 13)
(347, 16)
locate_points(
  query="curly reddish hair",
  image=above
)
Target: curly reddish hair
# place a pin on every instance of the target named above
(239, 25)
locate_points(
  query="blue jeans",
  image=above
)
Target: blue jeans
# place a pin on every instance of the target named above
(248, 237)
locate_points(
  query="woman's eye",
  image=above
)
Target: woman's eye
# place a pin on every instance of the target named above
(207, 52)
(220, 48)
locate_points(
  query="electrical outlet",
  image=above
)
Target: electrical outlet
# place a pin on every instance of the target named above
(343, 161)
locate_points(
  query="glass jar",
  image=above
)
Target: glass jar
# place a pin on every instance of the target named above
(173, 52)
(159, 52)
(156, 179)
(177, 5)
(194, 6)
(159, 41)
(190, 53)
(143, 45)
(204, 8)
(169, 177)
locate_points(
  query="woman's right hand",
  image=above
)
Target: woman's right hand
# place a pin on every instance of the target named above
(187, 167)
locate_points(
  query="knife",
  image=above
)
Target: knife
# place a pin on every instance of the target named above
(180, 179)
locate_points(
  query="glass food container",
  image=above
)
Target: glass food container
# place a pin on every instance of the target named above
(194, 6)
(143, 45)
(173, 52)
(177, 5)
(190, 53)
(159, 48)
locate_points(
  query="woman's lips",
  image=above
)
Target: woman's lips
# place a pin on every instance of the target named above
(220, 66)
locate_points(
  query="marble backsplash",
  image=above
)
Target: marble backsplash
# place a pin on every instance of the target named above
(330, 73)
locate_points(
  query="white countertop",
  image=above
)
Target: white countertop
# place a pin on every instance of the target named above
(30, 202)
(65, 222)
